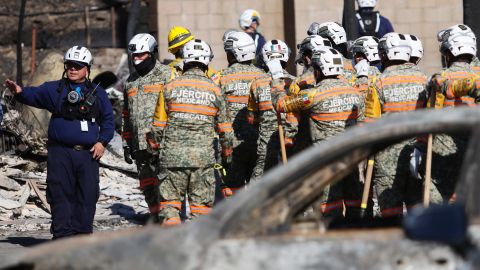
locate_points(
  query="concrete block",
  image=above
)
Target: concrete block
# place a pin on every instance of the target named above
(169, 7)
(438, 14)
(409, 15)
(195, 6)
(273, 6)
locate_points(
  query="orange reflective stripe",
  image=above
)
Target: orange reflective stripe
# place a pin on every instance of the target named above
(463, 101)
(224, 127)
(132, 92)
(200, 209)
(335, 91)
(353, 203)
(335, 116)
(174, 204)
(288, 140)
(237, 99)
(195, 84)
(265, 105)
(327, 207)
(291, 118)
(403, 79)
(239, 76)
(190, 108)
(402, 106)
(159, 123)
(154, 88)
(148, 182)
(227, 151)
(127, 134)
(171, 222)
(261, 83)
(390, 212)
(458, 75)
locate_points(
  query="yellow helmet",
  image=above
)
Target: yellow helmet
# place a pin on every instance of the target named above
(177, 37)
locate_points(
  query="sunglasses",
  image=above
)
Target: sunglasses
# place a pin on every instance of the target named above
(74, 65)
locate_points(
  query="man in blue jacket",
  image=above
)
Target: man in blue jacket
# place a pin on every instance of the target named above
(80, 127)
(370, 22)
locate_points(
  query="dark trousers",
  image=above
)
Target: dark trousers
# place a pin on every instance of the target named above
(72, 190)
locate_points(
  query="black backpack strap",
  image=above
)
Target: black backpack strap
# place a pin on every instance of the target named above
(61, 86)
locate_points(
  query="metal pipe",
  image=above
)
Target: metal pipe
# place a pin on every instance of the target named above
(19, 43)
(114, 30)
(87, 27)
(34, 48)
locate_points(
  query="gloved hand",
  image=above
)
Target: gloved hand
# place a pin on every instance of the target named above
(127, 154)
(415, 161)
(227, 192)
(275, 68)
(152, 145)
(362, 68)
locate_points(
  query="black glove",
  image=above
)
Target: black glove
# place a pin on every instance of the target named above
(127, 155)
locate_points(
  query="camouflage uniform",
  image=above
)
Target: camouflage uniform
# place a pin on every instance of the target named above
(191, 108)
(362, 83)
(448, 151)
(349, 71)
(332, 105)
(476, 65)
(399, 88)
(261, 112)
(302, 139)
(235, 82)
(141, 96)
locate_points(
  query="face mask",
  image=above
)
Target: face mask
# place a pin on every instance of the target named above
(136, 62)
(145, 66)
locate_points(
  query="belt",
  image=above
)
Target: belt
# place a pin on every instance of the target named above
(76, 147)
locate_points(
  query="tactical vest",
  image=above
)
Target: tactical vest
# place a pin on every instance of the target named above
(87, 108)
(369, 23)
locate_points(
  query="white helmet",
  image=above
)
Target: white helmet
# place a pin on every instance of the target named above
(329, 61)
(78, 54)
(241, 45)
(458, 29)
(248, 17)
(367, 3)
(227, 33)
(459, 44)
(197, 50)
(395, 46)
(417, 47)
(311, 44)
(458, 39)
(141, 43)
(333, 31)
(275, 49)
(313, 29)
(367, 46)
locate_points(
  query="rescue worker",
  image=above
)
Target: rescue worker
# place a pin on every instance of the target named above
(235, 82)
(332, 105)
(249, 22)
(366, 57)
(262, 113)
(400, 88)
(370, 22)
(337, 35)
(458, 47)
(177, 37)
(305, 81)
(140, 98)
(192, 106)
(417, 49)
(80, 127)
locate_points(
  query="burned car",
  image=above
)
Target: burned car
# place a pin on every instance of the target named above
(263, 227)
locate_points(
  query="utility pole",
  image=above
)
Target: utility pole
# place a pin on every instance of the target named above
(349, 20)
(471, 18)
(19, 43)
(289, 33)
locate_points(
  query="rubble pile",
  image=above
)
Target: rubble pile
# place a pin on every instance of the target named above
(23, 204)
